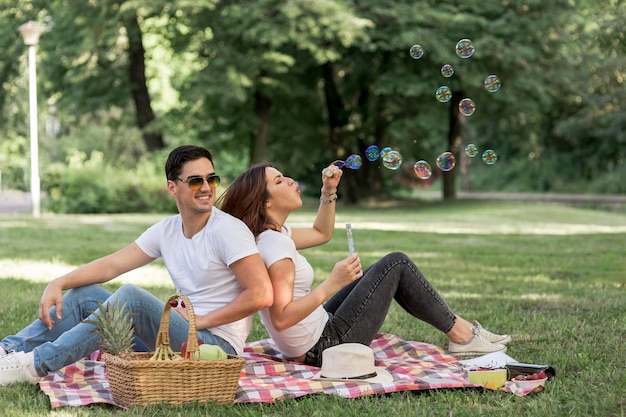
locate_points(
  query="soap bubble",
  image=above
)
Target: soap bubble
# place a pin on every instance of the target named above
(339, 163)
(371, 153)
(465, 48)
(392, 160)
(446, 161)
(489, 157)
(354, 161)
(384, 151)
(443, 94)
(447, 71)
(492, 83)
(329, 172)
(416, 51)
(422, 170)
(471, 150)
(467, 107)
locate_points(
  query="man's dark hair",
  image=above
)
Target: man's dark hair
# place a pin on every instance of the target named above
(179, 156)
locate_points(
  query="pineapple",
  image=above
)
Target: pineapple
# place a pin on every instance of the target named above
(115, 328)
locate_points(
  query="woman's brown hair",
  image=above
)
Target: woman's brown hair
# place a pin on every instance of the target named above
(245, 199)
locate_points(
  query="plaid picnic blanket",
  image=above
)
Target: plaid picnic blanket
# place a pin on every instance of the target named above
(268, 378)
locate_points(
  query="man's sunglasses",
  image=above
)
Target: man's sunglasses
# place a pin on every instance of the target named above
(195, 183)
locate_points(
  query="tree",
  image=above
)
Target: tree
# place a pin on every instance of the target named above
(303, 83)
(95, 60)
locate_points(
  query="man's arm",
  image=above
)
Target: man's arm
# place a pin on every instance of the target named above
(257, 294)
(98, 271)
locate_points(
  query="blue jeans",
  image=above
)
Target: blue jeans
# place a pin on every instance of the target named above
(358, 310)
(71, 339)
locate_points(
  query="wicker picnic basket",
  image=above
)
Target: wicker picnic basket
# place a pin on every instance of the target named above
(137, 380)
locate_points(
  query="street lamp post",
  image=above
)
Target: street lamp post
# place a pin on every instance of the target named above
(30, 32)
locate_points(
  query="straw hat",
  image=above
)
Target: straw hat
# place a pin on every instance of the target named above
(352, 362)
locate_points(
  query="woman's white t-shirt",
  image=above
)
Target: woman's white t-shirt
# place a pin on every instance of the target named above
(299, 338)
(199, 267)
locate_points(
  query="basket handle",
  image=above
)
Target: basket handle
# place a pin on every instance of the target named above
(163, 337)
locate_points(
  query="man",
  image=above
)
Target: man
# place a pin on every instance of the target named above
(210, 256)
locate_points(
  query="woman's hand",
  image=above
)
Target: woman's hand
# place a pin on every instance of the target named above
(331, 175)
(346, 271)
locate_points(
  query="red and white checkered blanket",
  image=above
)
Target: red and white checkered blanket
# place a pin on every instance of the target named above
(267, 378)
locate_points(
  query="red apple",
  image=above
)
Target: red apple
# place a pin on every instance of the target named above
(183, 347)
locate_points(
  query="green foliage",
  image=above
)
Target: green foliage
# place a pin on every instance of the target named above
(92, 185)
(303, 83)
(14, 164)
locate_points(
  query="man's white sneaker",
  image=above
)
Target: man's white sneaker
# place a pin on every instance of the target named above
(14, 368)
(503, 339)
(478, 346)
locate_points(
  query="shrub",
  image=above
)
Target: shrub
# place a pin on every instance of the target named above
(93, 185)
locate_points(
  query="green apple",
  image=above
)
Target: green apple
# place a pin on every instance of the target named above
(208, 352)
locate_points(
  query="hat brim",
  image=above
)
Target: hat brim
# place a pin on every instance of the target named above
(382, 377)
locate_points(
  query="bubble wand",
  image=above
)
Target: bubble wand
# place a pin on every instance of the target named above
(350, 240)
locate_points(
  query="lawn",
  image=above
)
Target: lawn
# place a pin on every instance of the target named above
(551, 275)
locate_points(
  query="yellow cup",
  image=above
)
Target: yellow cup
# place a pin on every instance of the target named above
(491, 378)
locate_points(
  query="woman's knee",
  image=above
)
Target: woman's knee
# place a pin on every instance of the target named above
(396, 257)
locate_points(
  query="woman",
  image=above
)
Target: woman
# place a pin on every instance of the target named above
(351, 304)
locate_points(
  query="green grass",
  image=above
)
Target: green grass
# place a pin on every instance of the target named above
(551, 275)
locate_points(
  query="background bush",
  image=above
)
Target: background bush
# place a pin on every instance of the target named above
(93, 185)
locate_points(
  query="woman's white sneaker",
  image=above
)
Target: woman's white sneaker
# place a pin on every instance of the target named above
(503, 339)
(477, 346)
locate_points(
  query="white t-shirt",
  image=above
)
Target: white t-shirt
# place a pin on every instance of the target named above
(299, 338)
(199, 267)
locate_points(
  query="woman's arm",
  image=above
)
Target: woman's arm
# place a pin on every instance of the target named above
(285, 312)
(324, 224)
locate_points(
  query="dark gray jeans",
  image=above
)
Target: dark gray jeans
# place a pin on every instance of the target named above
(358, 310)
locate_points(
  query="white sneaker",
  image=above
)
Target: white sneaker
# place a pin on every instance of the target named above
(503, 339)
(14, 368)
(477, 346)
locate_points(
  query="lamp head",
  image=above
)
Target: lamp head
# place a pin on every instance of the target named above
(30, 32)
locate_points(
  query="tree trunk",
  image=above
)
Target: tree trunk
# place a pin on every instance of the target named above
(337, 119)
(152, 137)
(262, 109)
(454, 142)
(336, 111)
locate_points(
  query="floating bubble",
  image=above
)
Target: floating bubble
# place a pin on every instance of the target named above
(354, 161)
(416, 51)
(465, 48)
(422, 170)
(392, 160)
(371, 153)
(489, 157)
(446, 161)
(467, 107)
(384, 151)
(443, 94)
(492, 83)
(339, 163)
(471, 150)
(447, 71)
